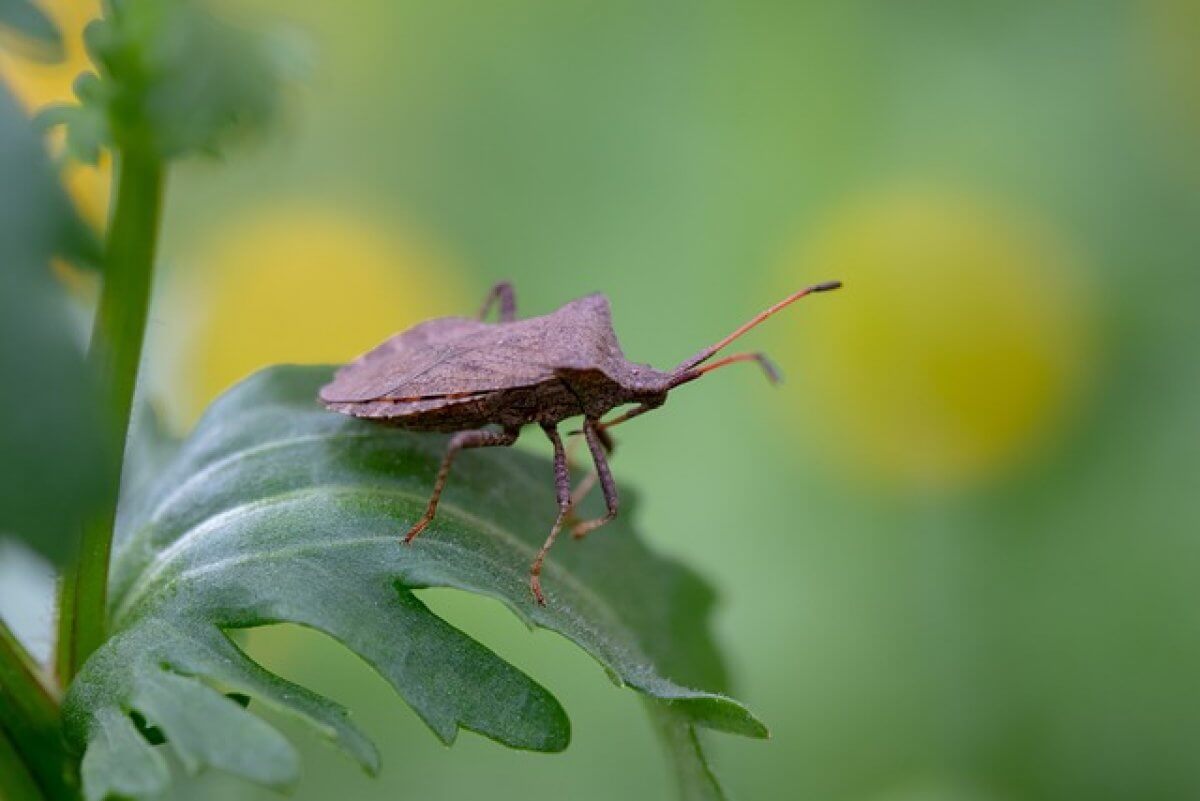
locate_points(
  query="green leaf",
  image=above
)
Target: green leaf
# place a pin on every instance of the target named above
(52, 462)
(277, 510)
(173, 79)
(16, 782)
(39, 38)
(85, 124)
(120, 762)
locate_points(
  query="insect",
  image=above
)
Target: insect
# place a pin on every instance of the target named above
(485, 381)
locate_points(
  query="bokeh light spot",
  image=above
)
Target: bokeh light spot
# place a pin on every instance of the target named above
(957, 347)
(301, 285)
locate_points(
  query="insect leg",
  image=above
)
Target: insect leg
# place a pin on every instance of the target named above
(589, 482)
(584, 489)
(625, 417)
(562, 483)
(594, 433)
(502, 292)
(478, 438)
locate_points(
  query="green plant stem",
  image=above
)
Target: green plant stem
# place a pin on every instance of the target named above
(19, 675)
(694, 779)
(31, 747)
(16, 783)
(115, 354)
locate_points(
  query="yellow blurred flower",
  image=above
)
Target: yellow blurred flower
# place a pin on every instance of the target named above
(299, 285)
(955, 350)
(36, 84)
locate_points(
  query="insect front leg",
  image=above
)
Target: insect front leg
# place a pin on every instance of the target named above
(562, 483)
(589, 481)
(478, 438)
(625, 417)
(507, 298)
(602, 426)
(594, 433)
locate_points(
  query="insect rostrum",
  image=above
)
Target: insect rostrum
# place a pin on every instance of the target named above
(462, 375)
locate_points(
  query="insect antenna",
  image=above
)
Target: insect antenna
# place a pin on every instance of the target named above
(690, 370)
(767, 365)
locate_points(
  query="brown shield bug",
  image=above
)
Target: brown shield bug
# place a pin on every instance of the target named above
(461, 375)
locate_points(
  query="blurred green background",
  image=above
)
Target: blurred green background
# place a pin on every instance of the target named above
(958, 548)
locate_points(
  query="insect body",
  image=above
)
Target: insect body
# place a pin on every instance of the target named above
(470, 377)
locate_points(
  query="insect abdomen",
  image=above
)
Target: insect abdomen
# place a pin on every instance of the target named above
(548, 402)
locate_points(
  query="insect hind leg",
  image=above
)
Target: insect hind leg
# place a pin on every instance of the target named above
(562, 485)
(477, 438)
(503, 294)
